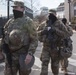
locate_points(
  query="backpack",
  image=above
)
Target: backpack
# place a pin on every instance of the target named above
(66, 48)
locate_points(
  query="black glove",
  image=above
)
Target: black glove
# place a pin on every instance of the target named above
(44, 32)
(52, 30)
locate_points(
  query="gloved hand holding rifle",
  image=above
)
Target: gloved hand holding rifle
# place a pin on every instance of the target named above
(7, 52)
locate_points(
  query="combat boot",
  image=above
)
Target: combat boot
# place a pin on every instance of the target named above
(65, 71)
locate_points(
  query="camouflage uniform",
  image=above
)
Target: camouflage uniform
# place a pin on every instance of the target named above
(64, 62)
(47, 51)
(21, 37)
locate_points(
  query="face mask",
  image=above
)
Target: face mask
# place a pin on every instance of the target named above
(64, 22)
(17, 14)
(52, 17)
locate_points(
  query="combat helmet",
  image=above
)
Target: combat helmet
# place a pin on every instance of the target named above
(15, 38)
(52, 11)
(18, 3)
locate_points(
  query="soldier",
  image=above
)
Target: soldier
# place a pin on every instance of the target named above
(50, 33)
(20, 38)
(42, 25)
(1, 54)
(64, 61)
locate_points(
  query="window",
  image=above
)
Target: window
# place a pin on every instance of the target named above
(75, 9)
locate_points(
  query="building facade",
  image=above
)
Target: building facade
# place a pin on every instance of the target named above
(67, 10)
(44, 10)
(70, 9)
(60, 10)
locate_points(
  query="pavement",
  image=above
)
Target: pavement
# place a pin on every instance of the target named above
(74, 30)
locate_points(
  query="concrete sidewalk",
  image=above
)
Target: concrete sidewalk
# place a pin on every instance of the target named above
(74, 31)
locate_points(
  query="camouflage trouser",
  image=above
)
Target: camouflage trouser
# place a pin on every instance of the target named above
(15, 68)
(48, 53)
(64, 63)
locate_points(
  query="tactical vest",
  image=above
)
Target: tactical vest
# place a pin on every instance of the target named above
(16, 33)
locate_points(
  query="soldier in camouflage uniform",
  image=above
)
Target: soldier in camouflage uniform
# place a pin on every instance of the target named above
(1, 54)
(49, 52)
(21, 38)
(64, 62)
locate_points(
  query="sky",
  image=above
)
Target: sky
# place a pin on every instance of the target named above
(40, 3)
(51, 3)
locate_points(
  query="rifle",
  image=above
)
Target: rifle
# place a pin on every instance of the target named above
(6, 50)
(51, 36)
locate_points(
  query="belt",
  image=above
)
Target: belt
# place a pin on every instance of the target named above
(25, 47)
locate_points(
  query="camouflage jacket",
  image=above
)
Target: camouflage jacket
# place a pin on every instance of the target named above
(70, 32)
(67, 42)
(60, 30)
(28, 34)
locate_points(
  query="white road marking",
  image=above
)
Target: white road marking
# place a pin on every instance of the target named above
(74, 53)
(72, 61)
(37, 62)
(2, 64)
